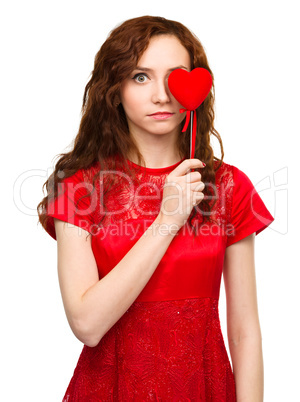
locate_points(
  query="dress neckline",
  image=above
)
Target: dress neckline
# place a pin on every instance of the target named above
(155, 170)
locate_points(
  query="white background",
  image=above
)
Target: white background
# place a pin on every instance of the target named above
(47, 54)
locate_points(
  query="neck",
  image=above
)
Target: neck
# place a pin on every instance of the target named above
(158, 151)
(157, 159)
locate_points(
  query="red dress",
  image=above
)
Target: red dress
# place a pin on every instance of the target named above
(168, 346)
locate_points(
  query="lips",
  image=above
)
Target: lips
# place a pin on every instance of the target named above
(161, 115)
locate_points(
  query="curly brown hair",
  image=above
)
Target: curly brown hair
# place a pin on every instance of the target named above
(103, 132)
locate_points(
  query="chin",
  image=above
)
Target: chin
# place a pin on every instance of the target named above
(165, 129)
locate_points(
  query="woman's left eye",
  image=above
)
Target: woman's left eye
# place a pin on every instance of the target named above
(140, 77)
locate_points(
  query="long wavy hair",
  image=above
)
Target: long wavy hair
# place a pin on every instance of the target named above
(103, 132)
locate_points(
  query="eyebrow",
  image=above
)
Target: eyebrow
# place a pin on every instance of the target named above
(150, 69)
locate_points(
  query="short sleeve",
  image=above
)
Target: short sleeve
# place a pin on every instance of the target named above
(72, 205)
(248, 211)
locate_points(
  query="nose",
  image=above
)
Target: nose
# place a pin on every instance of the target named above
(161, 92)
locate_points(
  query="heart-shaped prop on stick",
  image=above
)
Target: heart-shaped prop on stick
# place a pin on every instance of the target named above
(190, 89)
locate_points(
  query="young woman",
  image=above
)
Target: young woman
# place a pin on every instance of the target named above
(144, 234)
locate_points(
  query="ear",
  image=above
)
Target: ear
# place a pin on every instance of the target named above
(117, 101)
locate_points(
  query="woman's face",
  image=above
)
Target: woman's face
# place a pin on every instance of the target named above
(149, 106)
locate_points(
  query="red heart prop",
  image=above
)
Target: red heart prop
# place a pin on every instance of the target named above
(190, 88)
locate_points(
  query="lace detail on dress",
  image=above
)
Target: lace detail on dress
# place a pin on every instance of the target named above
(158, 351)
(140, 197)
(224, 185)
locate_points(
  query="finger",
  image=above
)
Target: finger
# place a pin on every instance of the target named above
(197, 198)
(198, 187)
(187, 165)
(193, 177)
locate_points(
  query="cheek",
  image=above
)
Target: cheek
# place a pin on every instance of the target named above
(178, 105)
(181, 117)
(131, 99)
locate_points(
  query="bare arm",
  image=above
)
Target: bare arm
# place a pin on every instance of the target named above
(93, 306)
(243, 327)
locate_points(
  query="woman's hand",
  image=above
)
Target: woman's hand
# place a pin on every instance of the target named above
(182, 191)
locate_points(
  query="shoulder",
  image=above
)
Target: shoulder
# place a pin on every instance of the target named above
(231, 175)
(82, 175)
